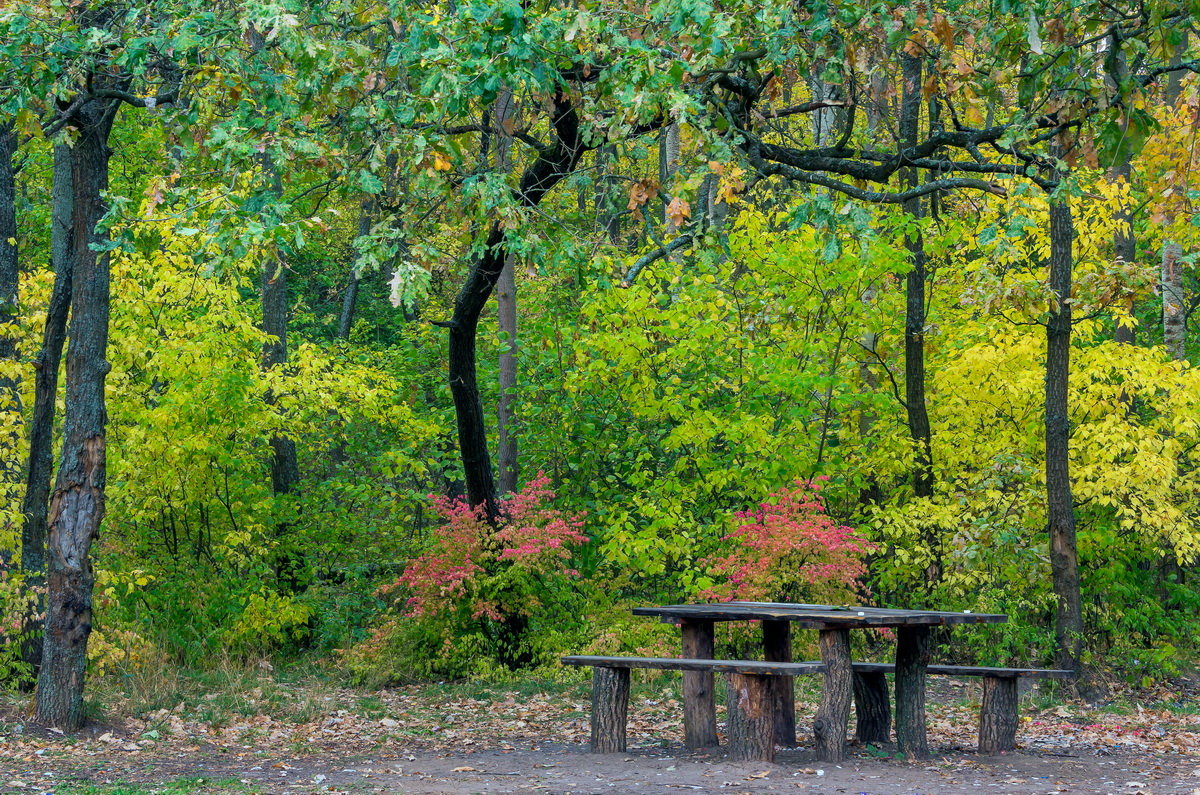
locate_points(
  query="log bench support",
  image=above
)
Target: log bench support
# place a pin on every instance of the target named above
(753, 690)
(610, 709)
(998, 715)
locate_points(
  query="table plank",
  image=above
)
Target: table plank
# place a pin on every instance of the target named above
(817, 616)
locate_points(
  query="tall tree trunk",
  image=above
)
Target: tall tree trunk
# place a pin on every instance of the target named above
(10, 386)
(551, 166)
(350, 297)
(285, 471)
(45, 380)
(607, 215)
(10, 394)
(506, 315)
(77, 507)
(914, 314)
(1174, 331)
(1060, 504)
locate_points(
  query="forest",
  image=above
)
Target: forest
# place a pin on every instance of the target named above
(822, 301)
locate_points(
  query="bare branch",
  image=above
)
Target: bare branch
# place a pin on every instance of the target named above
(655, 256)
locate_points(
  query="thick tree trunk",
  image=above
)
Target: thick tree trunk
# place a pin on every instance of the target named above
(41, 424)
(538, 179)
(1060, 505)
(77, 507)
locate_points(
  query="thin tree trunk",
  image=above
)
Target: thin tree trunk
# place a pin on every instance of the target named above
(547, 171)
(1060, 505)
(10, 394)
(914, 315)
(1174, 331)
(350, 297)
(506, 315)
(45, 380)
(77, 507)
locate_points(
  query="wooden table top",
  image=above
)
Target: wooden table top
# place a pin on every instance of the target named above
(816, 616)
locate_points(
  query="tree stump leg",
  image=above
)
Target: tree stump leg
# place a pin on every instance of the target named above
(699, 708)
(912, 659)
(833, 714)
(998, 715)
(777, 647)
(872, 708)
(610, 709)
(751, 718)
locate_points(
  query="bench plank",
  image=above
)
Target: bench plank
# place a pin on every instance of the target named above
(691, 664)
(972, 670)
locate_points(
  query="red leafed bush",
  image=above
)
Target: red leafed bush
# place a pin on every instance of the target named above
(789, 549)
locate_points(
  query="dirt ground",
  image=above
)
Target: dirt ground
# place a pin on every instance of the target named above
(429, 741)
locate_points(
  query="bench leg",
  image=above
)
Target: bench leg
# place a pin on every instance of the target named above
(777, 647)
(699, 708)
(834, 711)
(872, 708)
(912, 659)
(751, 718)
(610, 709)
(998, 715)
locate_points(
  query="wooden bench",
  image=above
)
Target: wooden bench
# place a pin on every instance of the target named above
(751, 713)
(997, 715)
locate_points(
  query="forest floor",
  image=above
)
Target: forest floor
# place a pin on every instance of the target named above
(245, 733)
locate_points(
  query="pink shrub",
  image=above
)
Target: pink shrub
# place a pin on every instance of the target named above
(491, 572)
(789, 549)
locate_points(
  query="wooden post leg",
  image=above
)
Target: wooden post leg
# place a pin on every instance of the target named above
(699, 709)
(912, 658)
(998, 715)
(872, 708)
(610, 709)
(777, 647)
(751, 718)
(834, 711)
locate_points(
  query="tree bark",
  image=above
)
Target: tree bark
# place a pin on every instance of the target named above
(551, 166)
(10, 388)
(998, 715)
(1174, 331)
(915, 282)
(350, 296)
(699, 706)
(610, 709)
(751, 727)
(833, 714)
(1060, 505)
(872, 708)
(912, 660)
(46, 365)
(777, 647)
(77, 507)
(506, 316)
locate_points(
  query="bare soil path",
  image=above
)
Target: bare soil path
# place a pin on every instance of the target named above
(305, 739)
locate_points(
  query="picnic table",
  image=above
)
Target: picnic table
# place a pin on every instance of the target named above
(834, 624)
